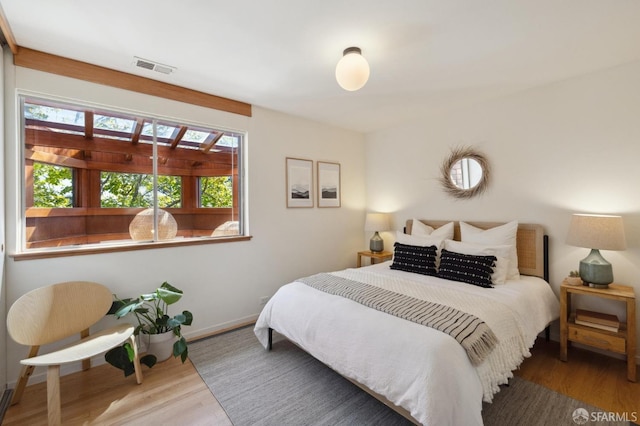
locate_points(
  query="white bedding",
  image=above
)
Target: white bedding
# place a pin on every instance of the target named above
(418, 368)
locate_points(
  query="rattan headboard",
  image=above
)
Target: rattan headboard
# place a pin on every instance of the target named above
(531, 244)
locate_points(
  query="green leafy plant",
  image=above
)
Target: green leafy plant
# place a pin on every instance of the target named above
(151, 312)
(574, 274)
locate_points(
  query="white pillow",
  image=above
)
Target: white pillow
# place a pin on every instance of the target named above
(419, 240)
(445, 231)
(419, 228)
(501, 253)
(500, 235)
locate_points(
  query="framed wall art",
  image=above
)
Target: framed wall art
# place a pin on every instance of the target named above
(328, 184)
(299, 182)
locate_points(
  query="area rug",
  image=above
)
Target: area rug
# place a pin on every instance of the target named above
(287, 386)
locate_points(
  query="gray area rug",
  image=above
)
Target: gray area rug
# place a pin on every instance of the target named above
(287, 386)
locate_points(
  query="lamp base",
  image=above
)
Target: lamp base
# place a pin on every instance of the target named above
(598, 285)
(376, 244)
(595, 271)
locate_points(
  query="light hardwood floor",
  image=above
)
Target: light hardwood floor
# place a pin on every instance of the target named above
(173, 393)
(593, 378)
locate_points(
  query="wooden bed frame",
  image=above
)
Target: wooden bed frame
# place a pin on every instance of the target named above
(532, 246)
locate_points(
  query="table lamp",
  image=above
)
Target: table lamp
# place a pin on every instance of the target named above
(377, 222)
(596, 232)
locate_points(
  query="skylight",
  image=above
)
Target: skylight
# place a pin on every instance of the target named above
(53, 115)
(228, 141)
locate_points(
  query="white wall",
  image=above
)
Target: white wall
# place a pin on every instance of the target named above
(222, 282)
(565, 148)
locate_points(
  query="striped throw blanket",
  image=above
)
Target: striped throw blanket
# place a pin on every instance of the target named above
(471, 332)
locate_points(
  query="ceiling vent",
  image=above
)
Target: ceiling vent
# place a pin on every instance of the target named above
(153, 66)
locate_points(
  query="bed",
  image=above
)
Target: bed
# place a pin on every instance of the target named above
(426, 373)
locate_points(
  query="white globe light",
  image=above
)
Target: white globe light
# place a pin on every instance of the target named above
(352, 71)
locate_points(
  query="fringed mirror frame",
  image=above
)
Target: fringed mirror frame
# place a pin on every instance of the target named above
(456, 155)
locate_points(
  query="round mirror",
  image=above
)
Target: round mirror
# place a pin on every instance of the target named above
(465, 173)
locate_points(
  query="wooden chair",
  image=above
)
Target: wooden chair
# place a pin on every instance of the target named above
(49, 314)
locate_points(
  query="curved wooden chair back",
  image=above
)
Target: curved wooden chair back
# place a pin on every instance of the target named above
(52, 313)
(49, 314)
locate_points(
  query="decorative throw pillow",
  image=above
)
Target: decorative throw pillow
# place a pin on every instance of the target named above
(500, 235)
(501, 253)
(466, 268)
(416, 259)
(421, 241)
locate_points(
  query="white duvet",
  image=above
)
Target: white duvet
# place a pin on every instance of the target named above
(418, 368)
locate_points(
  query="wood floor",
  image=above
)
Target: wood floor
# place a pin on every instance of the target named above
(173, 393)
(593, 378)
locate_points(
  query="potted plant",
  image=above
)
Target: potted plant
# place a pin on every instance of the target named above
(163, 331)
(574, 278)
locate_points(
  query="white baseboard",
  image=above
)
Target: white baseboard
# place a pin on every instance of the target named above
(220, 328)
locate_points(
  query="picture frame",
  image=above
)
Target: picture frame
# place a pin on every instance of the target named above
(329, 191)
(299, 179)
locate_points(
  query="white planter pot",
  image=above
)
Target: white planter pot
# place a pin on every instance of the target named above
(160, 345)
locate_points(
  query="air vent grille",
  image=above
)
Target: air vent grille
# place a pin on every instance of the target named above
(144, 64)
(153, 66)
(163, 69)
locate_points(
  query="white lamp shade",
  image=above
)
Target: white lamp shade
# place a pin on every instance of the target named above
(377, 222)
(352, 71)
(600, 232)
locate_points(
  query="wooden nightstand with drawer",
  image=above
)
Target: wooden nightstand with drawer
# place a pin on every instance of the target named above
(622, 341)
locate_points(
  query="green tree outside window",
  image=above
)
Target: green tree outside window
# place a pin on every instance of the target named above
(216, 191)
(52, 186)
(136, 190)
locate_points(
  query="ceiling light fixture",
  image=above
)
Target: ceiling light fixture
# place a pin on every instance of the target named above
(352, 71)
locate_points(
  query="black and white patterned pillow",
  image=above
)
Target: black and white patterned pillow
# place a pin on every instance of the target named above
(416, 259)
(466, 268)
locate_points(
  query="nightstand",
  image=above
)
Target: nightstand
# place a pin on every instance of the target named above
(374, 256)
(622, 342)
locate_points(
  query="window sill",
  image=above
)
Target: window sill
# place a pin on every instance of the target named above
(97, 249)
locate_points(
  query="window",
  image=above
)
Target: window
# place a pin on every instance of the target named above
(88, 172)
